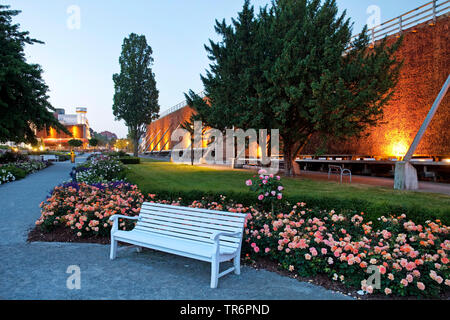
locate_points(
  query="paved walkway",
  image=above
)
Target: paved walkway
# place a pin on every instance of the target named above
(38, 270)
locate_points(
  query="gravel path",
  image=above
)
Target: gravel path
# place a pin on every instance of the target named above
(39, 270)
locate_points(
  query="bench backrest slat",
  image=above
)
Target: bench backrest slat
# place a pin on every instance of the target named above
(229, 216)
(197, 210)
(190, 223)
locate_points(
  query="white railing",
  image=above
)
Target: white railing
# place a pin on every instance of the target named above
(429, 12)
(180, 106)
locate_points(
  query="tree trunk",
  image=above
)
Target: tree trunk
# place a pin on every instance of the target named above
(136, 147)
(291, 167)
(192, 152)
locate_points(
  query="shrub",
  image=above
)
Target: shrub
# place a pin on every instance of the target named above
(100, 169)
(120, 154)
(373, 210)
(31, 166)
(130, 160)
(86, 209)
(6, 175)
(10, 157)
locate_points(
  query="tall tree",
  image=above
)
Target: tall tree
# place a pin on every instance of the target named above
(136, 96)
(311, 84)
(289, 69)
(24, 105)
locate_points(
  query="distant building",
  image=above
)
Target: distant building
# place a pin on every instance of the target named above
(77, 124)
(109, 135)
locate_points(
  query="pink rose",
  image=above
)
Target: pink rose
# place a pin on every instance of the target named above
(279, 196)
(249, 183)
(261, 197)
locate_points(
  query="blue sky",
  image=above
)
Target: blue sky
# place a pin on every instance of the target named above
(79, 63)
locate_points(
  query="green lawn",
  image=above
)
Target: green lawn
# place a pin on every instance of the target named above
(182, 180)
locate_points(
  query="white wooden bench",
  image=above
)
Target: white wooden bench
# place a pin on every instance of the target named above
(49, 157)
(206, 235)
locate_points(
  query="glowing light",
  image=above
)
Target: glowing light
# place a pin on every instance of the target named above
(41, 148)
(399, 149)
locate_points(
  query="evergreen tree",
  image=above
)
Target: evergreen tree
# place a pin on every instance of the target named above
(311, 84)
(136, 96)
(289, 69)
(24, 105)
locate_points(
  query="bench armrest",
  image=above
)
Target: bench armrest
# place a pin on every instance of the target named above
(216, 235)
(119, 216)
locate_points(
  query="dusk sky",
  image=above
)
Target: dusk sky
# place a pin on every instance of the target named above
(79, 62)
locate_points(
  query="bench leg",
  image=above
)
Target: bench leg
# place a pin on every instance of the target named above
(237, 265)
(113, 254)
(214, 274)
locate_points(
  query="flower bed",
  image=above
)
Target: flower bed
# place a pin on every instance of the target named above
(86, 209)
(18, 170)
(99, 169)
(404, 258)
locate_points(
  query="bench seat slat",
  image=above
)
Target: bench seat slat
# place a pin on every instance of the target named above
(181, 218)
(229, 241)
(200, 210)
(184, 236)
(184, 245)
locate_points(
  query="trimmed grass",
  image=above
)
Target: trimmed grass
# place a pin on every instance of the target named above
(186, 181)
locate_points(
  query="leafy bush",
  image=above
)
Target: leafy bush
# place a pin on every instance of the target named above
(100, 169)
(120, 154)
(19, 170)
(6, 175)
(130, 160)
(31, 166)
(86, 209)
(10, 157)
(373, 210)
(16, 171)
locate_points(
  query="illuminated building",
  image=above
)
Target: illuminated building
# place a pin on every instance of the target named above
(77, 124)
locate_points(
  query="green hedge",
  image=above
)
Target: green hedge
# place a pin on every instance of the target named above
(18, 173)
(130, 160)
(372, 210)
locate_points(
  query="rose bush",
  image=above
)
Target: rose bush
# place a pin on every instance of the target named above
(86, 209)
(412, 260)
(268, 188)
